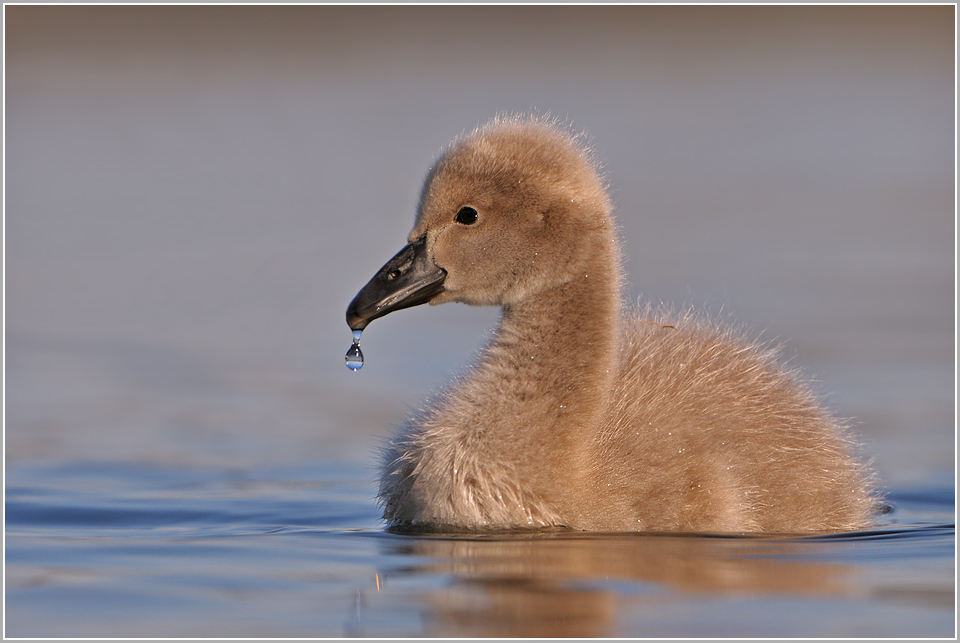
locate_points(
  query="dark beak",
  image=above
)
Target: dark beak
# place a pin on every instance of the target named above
(409, 279)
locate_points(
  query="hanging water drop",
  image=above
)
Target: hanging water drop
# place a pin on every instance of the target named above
(354, 357)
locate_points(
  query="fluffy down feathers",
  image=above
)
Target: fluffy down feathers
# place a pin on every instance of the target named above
(578, 414)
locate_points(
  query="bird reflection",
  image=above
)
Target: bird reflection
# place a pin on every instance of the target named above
(570, 585)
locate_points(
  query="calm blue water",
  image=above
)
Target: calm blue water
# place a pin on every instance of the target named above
(111, 549)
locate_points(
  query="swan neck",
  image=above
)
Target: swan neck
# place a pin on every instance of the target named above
(565, 341)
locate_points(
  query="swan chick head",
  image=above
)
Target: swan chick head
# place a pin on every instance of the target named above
(508, 211)
(511, 209)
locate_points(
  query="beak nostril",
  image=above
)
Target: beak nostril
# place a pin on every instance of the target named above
(410, 278)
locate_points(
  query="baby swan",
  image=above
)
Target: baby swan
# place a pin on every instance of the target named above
(577, 414)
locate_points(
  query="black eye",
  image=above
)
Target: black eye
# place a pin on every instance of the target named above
(467, 215)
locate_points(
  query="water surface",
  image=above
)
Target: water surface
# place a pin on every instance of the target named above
(104, 549)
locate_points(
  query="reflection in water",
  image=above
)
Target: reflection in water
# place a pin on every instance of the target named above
(569, 585)
(100, 550)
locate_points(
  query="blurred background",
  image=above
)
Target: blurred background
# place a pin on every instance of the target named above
(194, 194)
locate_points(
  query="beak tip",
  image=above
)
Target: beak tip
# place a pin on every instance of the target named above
(354, 320)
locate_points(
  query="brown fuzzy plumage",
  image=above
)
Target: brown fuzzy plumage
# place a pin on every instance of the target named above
(578, 414)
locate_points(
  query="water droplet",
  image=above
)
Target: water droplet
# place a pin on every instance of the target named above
(354, 356)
